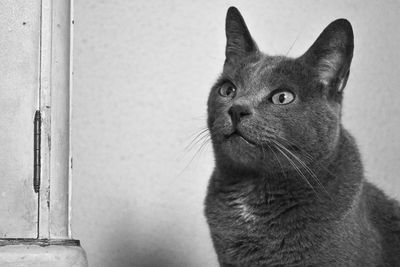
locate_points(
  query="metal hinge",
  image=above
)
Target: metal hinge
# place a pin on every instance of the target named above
(36, 150)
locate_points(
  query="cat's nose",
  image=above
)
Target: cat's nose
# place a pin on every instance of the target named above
(238, 112)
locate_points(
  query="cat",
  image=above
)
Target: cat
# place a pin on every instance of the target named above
(288, 187)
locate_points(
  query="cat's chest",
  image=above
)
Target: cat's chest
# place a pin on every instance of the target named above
(240, 210)
(250, 212)
(250, 219)
(249, 231)
(267, 230)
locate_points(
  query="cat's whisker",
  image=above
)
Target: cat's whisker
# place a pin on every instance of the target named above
(295, 157)
(311, 172)
(297, 169)
(196, 154)
(283, 172)
(277, 159)
(204, 144)
(200, 143)
(294, 42)
(262, 148)
(200, 129)
(193, 136)
(197, 136)
(269, 190)
(203, 134)
(308, 156)
(200, 139)
(292, 45)
(313, 175)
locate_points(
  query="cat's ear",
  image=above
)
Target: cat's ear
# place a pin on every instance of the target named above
(239, 42)
(331, 54)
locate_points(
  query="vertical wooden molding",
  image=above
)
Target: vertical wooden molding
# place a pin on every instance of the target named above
(45, 107)
(55, 102)
(60, 120)
(71, 76)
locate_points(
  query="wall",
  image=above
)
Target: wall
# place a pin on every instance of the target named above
(143, 70)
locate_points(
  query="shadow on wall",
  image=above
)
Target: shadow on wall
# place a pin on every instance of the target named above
(128, 246)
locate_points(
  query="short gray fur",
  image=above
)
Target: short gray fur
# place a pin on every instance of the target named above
(288, 187)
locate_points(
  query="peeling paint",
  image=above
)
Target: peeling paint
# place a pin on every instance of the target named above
(49, 141)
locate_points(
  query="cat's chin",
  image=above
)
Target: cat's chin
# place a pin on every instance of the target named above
(241, 150)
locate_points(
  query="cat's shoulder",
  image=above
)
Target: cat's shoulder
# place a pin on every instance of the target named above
(381, 206)
(384, 215)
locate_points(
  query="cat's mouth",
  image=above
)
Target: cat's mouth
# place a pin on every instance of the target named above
(238, 135)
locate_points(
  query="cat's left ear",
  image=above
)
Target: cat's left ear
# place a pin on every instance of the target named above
(331, 54)
(239, 42)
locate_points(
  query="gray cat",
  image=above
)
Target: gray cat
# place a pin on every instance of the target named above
(288, 187)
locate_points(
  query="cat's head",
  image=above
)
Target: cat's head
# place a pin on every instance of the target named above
(265, 110)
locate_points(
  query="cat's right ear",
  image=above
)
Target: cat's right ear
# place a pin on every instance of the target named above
(331, 54)
(239, 42)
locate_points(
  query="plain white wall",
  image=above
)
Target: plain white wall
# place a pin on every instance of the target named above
(143, 70)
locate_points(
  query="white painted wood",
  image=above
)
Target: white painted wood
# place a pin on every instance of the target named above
(55, 103)
(42, 256)
(55, 106)
(36, 64)
(35, 73)
(60, 161)
(45, 107)
(35, 56)
(19, 54)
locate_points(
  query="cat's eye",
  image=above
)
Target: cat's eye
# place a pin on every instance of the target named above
(282, 98)
(227, 90)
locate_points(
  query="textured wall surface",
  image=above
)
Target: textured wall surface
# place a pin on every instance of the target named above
(19, 52)
(143, 70)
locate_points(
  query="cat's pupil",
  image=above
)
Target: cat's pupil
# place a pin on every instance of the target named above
(282, 98)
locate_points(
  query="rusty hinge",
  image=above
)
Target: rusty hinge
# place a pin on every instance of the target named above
(36, 150)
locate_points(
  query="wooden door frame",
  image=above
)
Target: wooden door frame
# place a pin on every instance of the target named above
(55, 106)
(54, 243)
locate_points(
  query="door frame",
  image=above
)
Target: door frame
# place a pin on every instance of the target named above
(55, 106)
